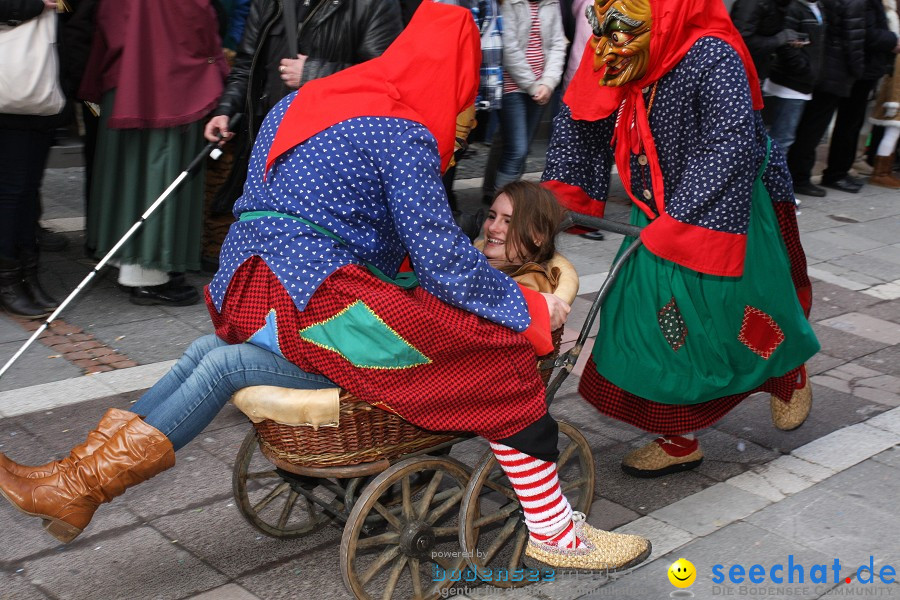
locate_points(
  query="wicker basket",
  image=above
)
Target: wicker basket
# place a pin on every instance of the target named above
(366, 434)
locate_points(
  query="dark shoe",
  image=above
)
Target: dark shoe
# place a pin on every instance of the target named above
(33, 285)
(50, 240)
(808, 189)
(165, 294)
(843, 184)
(14, 296)
(593, 235)
(855, 180)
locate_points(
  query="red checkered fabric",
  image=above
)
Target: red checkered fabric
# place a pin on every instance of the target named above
(482, 377)
(669, 419)
(787, 220)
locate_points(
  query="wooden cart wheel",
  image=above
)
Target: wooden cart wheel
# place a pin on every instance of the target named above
(269, 498)
(418, 541)
(493, 533)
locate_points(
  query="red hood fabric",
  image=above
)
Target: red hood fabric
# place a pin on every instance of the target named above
(428, 75)
(164, 59)
(676, 26)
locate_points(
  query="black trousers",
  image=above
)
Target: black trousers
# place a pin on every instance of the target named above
(844, 140)
(816, 116)
(851, 114)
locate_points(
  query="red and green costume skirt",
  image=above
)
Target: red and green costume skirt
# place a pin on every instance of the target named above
(437, 366)
(677, 349)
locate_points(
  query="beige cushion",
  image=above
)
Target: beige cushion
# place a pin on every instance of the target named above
(315, 408)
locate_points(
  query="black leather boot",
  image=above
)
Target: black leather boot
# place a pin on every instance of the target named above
(14, 296)
(33, 285)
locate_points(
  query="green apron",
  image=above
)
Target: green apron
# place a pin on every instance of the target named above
(676, 336)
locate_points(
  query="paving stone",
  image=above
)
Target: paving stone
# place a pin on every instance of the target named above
(39, 364)
(608, 515)
(822, 362)
(42, 396)
(888, 311)
(890, 457)
(10, 330)
(181, 487)
(313, 575)
(881, 230)
(842, 344)
(149, 341)
(804, 469)
(842, 517)
(889, 421)
(850, 371)
(232, 591)
(219, 535)
(643, 496)
(876, 263)
(751, 419)
(885, 291)
(739, 543)
(111, 569)
(575, 321)
(865, 326)
(726, 455)
(886, 360)
(772, 483)
(833, 295)
(136, 378)
(846, 447)
(714, 507)
(834, 383)
(17, 587)
(662, 536)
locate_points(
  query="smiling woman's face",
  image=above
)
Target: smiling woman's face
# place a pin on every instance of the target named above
(623, 46)
(496, 231)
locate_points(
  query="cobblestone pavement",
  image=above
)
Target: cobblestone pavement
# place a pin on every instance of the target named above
(825, 491)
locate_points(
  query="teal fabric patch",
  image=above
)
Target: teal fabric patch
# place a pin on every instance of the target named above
(363, 339)
(267, 335)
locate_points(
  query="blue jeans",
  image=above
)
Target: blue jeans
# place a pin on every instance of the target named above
(192, 393)
(519, 119)
(782, 117)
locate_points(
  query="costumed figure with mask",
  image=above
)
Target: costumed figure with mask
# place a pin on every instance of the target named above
(713, 306)
(344, 186)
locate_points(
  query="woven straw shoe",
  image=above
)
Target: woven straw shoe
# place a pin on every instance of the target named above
(788, 416)
(602, 552)
(680, 454)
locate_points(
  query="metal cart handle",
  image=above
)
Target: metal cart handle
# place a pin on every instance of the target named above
(568, 359)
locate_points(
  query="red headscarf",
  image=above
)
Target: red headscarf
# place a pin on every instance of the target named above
(428, 75)
(676, 25)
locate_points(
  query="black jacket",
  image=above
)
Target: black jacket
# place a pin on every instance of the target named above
(845, 40)
(799, 68)
(335, 35)
(761, 24)
(880, 41)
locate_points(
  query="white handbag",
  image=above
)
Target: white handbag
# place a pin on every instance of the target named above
(29, 68)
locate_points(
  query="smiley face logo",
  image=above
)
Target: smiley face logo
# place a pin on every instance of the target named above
(682, 573)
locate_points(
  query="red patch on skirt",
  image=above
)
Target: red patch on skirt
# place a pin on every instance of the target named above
(760, 332)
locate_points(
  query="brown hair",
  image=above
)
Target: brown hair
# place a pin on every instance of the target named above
(536, 215)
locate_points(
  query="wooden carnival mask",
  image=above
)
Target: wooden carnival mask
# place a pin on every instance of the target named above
(621, 39)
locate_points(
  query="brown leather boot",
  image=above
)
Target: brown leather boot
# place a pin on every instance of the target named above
(882, 175)
(111, 422)
(66, 500)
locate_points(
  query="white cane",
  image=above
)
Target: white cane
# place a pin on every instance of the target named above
(212, 150)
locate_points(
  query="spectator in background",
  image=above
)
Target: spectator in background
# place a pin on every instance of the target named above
(534, 52)
(331, 35)
(25, 138)
(794, 72)
(578, 31)
(145, 56)
(844, 63)
(871, 57)
(887, 116)
(761, 25)
(233, 21)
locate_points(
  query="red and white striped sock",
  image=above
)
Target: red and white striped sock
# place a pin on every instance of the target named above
(548, 514)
